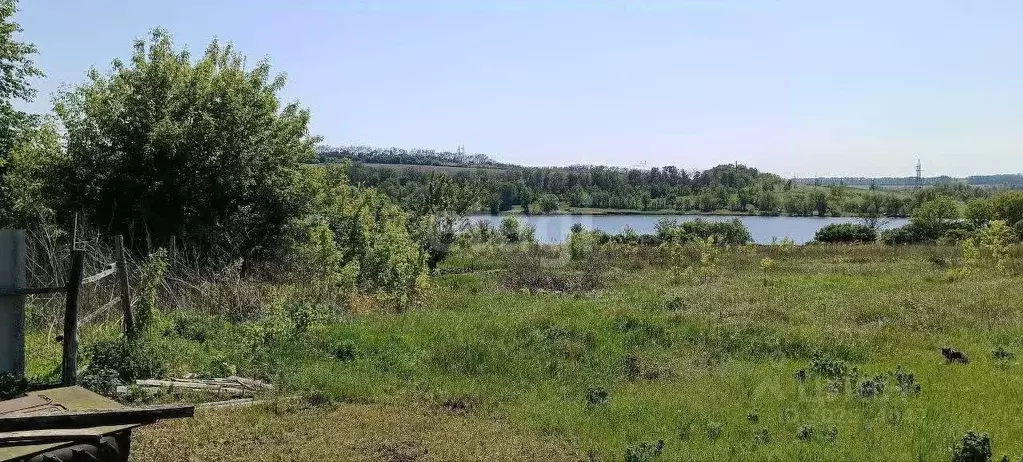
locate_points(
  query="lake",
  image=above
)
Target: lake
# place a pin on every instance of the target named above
(554, 229)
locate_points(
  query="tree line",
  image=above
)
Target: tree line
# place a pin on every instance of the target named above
(732, 188)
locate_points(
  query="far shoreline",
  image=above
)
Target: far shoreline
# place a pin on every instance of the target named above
(664, 212)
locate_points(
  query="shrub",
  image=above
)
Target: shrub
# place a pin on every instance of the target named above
(11, 385)
(149, 286)
(301, 316)
(714, 430)
(805, 432)
(871, 387)
(731, 232)
(907, 382)
(972, 447)
(191, 327)
(103, 381)
(377, 240)
(907, 234)
(826, 367)
(1001, 354)
(582, 244)
(762, 436)
(321, 266)
(830, 434)
(845, 233)
(995, 239)
(344, 351)
(1018, 229)
(596, 396)
(510, 229)
(644, 451)
(131, 359)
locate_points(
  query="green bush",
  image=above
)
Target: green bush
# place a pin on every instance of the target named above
(731, 232)
(103, 381)
(11, 385)
(644, 451)
(973, 447)
(846, 233)
(907, 234)
(131, 359)
(149, 286)
(376, 241)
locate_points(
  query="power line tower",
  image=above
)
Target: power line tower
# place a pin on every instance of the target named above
(919, 177)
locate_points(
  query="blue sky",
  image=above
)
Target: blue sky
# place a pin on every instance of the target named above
(792, 87)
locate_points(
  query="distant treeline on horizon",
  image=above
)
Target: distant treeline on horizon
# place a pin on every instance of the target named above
(430, 157)
(1009, 180)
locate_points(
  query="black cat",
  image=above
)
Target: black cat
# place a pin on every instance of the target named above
(954, 356)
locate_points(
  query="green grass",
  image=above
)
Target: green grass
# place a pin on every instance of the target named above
(709, 352)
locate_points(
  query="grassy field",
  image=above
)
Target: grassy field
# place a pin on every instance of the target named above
(811, 364)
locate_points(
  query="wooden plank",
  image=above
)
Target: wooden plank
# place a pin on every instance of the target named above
(13, 258)
(49, 436)
(215, 388)
(240, 402)
(69, 364)
(251, 383)
(122, 279)
(99, 276)
(34, 291)
(90, 316)
(70, 398)
(95, 417)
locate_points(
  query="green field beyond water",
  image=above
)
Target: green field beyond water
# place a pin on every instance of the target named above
(708, 366)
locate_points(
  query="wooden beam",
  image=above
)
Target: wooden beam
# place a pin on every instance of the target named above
(49, 436)
(94, 418)
(90, 316)
(100, 275)
(34, 291)
(69, 364)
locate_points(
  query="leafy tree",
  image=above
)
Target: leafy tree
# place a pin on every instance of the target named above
(371, 233)
(16, 68)
(1008, 206)
(548, 203)
(820, 200)
(510, 228)
(979, 210)
(163, 145)
(28, 175)
(871, 209)
(935, 216)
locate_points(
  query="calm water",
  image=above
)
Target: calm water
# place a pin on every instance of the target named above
(553, 229)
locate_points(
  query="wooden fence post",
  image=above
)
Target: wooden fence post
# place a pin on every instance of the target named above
(69, 365)
(122, 280)
(12, 307)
